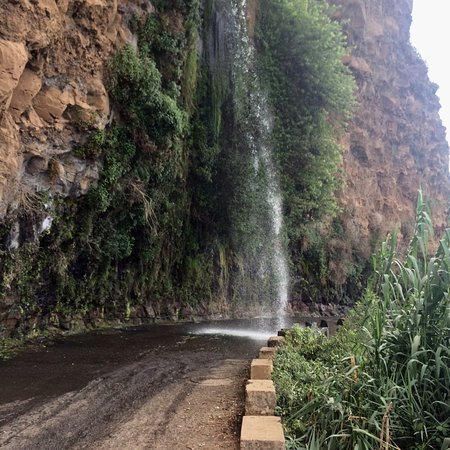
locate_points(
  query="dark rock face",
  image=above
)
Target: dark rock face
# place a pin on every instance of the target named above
(396, 142)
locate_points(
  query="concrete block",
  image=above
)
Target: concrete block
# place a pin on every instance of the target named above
(262, 433)
(275, 341)
(261, 369)
(260, 398)
(267, 352)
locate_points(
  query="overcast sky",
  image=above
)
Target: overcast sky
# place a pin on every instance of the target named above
(430, 34)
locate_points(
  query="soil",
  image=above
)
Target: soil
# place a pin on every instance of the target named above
(159, 387)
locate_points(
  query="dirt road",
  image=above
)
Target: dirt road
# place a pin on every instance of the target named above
(147, 388)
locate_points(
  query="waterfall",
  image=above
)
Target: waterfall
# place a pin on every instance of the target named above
(262, 242)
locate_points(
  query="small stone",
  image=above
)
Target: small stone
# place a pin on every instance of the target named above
(261, 369)
(262, 433)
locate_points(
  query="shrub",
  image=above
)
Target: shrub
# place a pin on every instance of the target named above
(312, 97)
(135, 86)
(384, 380)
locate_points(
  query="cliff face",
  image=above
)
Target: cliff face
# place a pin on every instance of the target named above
(52, 94)
(53, 60)
(396, 142)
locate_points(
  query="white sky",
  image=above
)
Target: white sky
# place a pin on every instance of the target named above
(430, 34)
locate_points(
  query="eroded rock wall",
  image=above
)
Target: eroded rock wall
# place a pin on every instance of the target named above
(52, 62)
(52, 59)
(396, 142)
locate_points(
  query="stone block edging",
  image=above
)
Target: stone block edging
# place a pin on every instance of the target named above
(267, 353)
(261, 429)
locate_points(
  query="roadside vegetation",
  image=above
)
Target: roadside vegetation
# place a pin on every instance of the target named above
(312, 96)
(383, 382)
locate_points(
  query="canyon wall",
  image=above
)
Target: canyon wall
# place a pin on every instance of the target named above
(54, 56)
(396, 142)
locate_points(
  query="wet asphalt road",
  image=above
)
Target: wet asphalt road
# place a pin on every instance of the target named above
(131, 388)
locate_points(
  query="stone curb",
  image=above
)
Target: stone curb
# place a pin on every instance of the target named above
(275, 341)
(267, 353)
(261, 429)
(260, 398)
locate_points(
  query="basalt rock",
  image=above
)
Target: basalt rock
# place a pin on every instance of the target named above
(53, 56)
(396, 142)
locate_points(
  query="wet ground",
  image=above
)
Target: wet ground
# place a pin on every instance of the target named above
(159, 386)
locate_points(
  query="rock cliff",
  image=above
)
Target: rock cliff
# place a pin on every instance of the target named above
(54, 56)
(396, 142)
(52, 94)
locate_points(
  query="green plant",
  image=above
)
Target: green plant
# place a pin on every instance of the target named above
(135, 85)
(312, 93)
(312, 97)
(384, 380)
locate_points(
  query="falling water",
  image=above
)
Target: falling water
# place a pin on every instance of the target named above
(252, 112)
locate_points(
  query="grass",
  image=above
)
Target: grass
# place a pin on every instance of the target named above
(383, 382)
(8, 348)
(11, 347)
